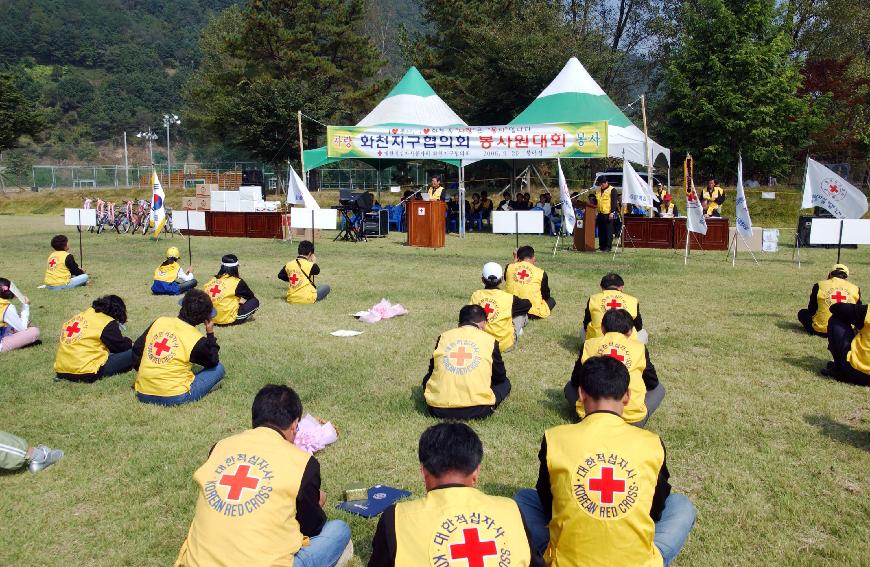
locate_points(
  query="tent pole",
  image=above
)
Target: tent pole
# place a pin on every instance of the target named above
(462, 211)
(646, 147)
(301, 152)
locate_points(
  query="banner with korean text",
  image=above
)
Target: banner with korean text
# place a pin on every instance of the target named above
(536, 141)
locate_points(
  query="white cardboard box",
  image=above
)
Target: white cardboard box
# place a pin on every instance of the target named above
(251, 192)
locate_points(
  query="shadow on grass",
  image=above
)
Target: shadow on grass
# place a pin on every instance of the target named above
(555, 400)
(419, 401)
(840, 431)
(793, 326)
(571, 343)
(499, 489)
(809, 363)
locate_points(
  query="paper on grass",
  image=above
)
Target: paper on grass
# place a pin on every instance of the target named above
(345, 333)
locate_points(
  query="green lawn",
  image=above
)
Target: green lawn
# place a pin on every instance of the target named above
(774, 456)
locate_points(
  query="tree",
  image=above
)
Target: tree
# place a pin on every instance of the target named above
(18, 116)
(733, 86)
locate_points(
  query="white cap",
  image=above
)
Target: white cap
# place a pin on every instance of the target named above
(492, 270)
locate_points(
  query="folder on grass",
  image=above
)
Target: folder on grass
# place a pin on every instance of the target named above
(380, 498)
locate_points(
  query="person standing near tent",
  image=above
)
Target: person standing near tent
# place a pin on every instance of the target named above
(435, 189)
(606, 200)
(506, 314)
(825, 294)
(61, 270)
(299, 275)
(232, 298)
(526, 280)
(170, 278)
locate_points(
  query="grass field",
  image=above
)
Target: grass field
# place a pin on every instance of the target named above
(774, 456)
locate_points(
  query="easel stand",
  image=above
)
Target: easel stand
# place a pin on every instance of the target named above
(81, 250)
(189, 249)
(622, 235)
(796, 252)
(732, 249)
(698, 242)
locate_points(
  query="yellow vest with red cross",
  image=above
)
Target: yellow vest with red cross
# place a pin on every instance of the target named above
(630, 352)
(603, 476)
(167, 273)
(222, 292)
(165, 369)
(460, 526)
(299, 286)
(246, 508)
(523, 279)
(832, 291)
(81, 350)
(859, 355)
(56, 272)
(462, 371)
(600, 303)
(498, 305)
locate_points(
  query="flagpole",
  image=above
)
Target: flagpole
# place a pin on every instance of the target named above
(646, 147)
(301, 152)
(189, 250)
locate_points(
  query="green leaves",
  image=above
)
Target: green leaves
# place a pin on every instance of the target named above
(18, 115)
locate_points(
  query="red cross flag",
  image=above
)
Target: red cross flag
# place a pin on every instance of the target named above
(824, 188)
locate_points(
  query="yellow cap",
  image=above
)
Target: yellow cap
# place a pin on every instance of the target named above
(172, 252)
(841, 268)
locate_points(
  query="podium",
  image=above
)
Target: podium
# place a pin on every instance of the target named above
(426, 223)
(584, 230)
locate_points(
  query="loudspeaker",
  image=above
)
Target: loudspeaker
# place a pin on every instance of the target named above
(252, 177)
(376, 223)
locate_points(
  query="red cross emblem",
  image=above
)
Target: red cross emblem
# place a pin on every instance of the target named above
(239, 481)
(472, 549)
(615, 354)
(606, 486)
(613, 304)
(833, 188)
(487, 308)
(839, 297)
(523, 274)
(52, 263)
(215, 291)
(294, 279)
(460, 356)
(73, 329)
(161, 347)
(690, 196)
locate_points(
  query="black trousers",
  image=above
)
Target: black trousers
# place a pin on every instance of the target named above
(604, 224)
(807, 321)
(840, 335)
(501, 392)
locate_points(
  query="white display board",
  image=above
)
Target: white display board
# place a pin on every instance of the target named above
(522, 222)
(770, 239)
(827, 231)
(856, 231)
(80, 217)
(188, 220)
(324, 219)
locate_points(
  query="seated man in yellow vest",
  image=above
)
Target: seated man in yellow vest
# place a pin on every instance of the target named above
(849, 344)
(233, 300)
(299, 275)
(466, 377)
(712, 198)
(526, 280)
(506, 314)
(828, 292)
(611, 296)
(61, 271)
(91, 343)
(647, 392)
(667, 209)
(602, 496)
(435, 189)
(170, 278)
(259, 499)
(168, 349)
(454, 521)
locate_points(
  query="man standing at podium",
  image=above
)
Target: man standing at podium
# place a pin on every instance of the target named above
(435, 188)
(606, 200)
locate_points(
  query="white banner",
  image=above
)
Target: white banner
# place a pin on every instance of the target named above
(827, 231)
(695, 221)
(635, 190)
(743, 222)
(297, 192)
(568, 216)
(824, 188)
(158, 205)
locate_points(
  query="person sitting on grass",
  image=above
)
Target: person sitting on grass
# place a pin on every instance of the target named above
(61, 270)
(14, 330)
(266, 509)
(506, 314)
(92, 345)
(602, 496)
(16, 453)
(299, 275)
(233, 300)
(466, 377)
(166, 352)
(526, 280)
(849, 344)
(412, 532)
(611, 296)
(617, 342)
(826, 293)
(169, 278)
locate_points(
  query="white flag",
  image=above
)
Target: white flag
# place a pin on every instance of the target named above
(744, 223)
(567, 206)
(824, 188)
(695, 221)
(158, 204)
(297, 192)
(635, 190)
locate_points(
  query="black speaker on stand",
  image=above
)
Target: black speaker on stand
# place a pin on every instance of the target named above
(376, 224)
(252, 177)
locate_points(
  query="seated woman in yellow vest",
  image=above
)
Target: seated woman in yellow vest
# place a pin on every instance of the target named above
(411, 532)
(14, 330)
(526, 280)
(603, 496)
(611, 296)
(61, 270)
(828, 292)
(466, 377)
(269, 512)
(646, 390)
(849, 344)
(92, 345)
(233, 300)
(506, 314)
(299, 275)
(166, 352)
(667, 209)
(169, 278)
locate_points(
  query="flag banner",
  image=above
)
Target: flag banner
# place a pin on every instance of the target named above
(298, 193)
(568, 216)
(158, 206)
(536, 141)
(824, 188)
(635, 191)
(744, 222)
(695, 221)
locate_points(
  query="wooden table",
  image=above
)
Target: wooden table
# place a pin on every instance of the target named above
(643, 232)
(241, 225)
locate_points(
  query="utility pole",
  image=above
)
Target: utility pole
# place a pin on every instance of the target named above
(169, 120)
(126, 166)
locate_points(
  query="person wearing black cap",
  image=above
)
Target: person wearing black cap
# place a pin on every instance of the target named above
(233, 300)
(825, 294)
